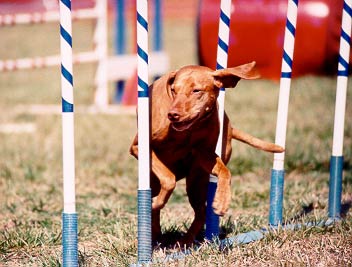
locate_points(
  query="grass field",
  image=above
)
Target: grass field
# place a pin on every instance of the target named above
(106, 175)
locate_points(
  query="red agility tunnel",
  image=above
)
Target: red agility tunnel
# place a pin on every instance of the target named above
(257, 32)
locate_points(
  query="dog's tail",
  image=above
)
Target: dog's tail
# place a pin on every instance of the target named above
(256, 142)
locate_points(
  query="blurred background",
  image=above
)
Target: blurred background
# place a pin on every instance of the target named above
(181, 32)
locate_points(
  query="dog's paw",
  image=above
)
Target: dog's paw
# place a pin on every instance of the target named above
(157, 204)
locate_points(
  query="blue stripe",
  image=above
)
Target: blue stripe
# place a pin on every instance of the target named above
(66, 35)
(67, 74)
(67, 3)
(344, 63)
(286, 75)
(223, 45)
(142, 94)
(287, 59)
(345, 36)
(290, 27)
(347, 8)
(225, 18)
(296, 2)
(144, 86)
(218, 66)
(142, 21)
(142, 54)
(66, 106)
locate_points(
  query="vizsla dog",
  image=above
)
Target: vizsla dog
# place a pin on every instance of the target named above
(184, 132)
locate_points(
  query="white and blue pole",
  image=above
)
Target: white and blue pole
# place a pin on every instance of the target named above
(212, 219)
(278, 172)
(69, 215)
(144, 191)
(336, 160)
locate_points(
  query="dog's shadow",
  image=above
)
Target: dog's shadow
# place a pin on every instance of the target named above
(170, 237)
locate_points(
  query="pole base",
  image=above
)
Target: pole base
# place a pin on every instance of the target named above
(335, 186)
(69, 240)
(212, 219)
(276, 197)
(144, 226)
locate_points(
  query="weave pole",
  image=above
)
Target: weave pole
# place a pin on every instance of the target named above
(212, 219)
(69, 215)
(278, 172)
(144, 191)
(336, 160)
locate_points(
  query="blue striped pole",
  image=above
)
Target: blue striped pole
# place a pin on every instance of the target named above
(144, 191)
(69, 215)
(277, 173)
(336, 160)
(212, 219)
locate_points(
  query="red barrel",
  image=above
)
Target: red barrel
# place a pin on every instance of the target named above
(257, 32)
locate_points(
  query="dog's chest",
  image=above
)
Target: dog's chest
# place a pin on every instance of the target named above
(178, 145)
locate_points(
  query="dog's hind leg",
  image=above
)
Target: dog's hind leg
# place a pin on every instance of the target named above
(213, 164)
(196, 186)
(156, 228)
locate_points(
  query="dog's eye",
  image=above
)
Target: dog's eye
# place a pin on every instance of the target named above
(196, 91)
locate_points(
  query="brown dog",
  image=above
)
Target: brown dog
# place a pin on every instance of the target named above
(184, 133)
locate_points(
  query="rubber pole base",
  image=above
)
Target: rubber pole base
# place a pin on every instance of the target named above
(276, 197)
(69, 240)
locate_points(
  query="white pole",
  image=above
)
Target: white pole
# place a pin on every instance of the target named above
(342, 79)
(336, 159)
(285, 82)
(144, 191)
(69, 215)
(212, 219)
(278, 172)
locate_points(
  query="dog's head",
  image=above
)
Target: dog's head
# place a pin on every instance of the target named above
(194, 91)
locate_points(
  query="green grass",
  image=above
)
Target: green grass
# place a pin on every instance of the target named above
(106, 175)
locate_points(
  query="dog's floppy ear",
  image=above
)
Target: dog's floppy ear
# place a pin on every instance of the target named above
(170, 81)
(228, 78)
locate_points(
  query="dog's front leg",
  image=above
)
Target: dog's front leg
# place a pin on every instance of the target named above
(214, 165)
(165, 176)
(167, 182)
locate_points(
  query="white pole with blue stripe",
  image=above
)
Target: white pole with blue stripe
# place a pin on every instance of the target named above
(212, 219)
(277, 173)
(69, 215)
(336, 160)
(144, 191)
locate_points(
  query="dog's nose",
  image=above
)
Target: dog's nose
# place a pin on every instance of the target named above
(173, 116)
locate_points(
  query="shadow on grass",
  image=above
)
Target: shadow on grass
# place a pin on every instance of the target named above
(305, 211)
(345, 207)
(170, 238)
